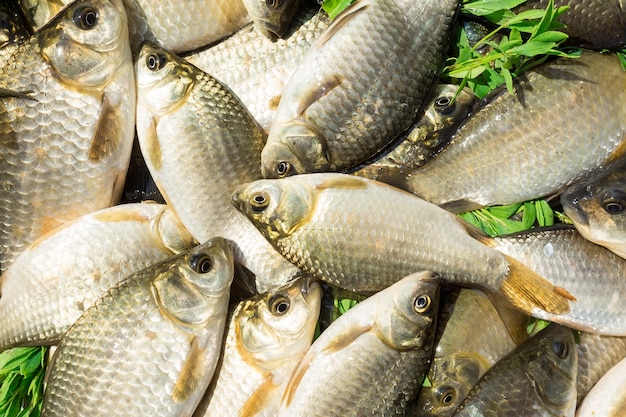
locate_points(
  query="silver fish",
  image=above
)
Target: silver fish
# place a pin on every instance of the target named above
(608, 396)
(272, 17)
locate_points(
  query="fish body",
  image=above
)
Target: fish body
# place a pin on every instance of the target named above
(474, 339)
(598, 207)
(149, 346)
(608, 397)
(565, 121)
(66, 134)
(199, 143)
(430, 134)
(363, 235)
(372, 359)
(266, 337)
(538, 378)
(272, 18)
(257, 69)
(336, 110)
(596, 356)
(594, 24)
(64, 272)
(593, 275)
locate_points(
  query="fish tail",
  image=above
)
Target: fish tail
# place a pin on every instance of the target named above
(527, 290)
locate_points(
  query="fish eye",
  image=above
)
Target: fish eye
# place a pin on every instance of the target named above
(155, 62)
(86, 17)
(259, 202)
(560, 349)
(446, 395)
(201, 264)
(283, 168)
(272, 3)
(614, 205)
(279, 305)
(444, 106)
(422, 304)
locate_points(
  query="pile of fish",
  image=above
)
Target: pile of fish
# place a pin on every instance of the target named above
(291, 156)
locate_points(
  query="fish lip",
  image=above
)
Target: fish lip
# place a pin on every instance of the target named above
(273, 32)
(308, 283)
(571, 207)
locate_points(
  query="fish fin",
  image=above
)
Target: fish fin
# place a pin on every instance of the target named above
(26, 95)
(108, 132)
(274, 102)
(476, 233)
(343, 18)
(258, 401)
(394, 176)
(153, 149)
(513, 319)
(527, 290)
(191, 373)
(346, 338)
(318, 91)
(461, 206)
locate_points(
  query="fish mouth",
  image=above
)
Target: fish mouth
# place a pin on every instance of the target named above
(273, 32)
(571, 207)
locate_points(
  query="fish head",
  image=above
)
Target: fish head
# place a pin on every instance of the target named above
(280, 323)
(451, 379)
(193, 287)
(163, 79)
(171, 234)
(276, 207)
(598, 208)
(272, 17)
(294, 148)
(551, 365)
(86, 42)
(409, 323)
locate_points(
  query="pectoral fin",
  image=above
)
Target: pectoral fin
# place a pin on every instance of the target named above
(191, 374)
(109, 131)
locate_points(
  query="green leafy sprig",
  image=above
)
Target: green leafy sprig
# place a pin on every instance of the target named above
(21, 381)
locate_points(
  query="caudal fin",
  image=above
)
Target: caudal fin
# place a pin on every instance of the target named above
(527, 290)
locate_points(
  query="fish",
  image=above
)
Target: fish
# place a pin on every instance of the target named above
(593, 275)
(13, 29)
(372, 359)
(473, 339)
(199, 142)
(174, 25)
(266, 337)
(363, 235)
(596, 207)
(336, 111)
(608, 397)
(596, 356)
(257, 69)
(537, 378)
(506, 152)
(272, 17)
(67, 132)
(447, 109)
(64, 272)
(150, 345)
(592, 24)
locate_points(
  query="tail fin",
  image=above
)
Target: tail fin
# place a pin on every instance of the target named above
(527, 290)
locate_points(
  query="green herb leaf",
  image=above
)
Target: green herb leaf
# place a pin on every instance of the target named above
(335, 7)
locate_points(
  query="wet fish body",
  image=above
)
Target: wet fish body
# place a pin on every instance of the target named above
(272, 18)
(66, 134)
(592, 274)
(508, 152)
(257, 69)
(336, 111)
(221, 149)
(608, 397)
(597, 205)
(150, 345)
(474, 339)
(539, 377)
(372, 359)
(266, 337)
(364, 235)
(61, 275)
